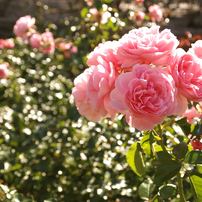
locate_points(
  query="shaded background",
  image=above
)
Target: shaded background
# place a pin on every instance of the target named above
(183, 15)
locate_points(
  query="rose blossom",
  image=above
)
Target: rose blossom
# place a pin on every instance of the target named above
(100, 85)
(155, 13)
(196, 48)
(107, 51)
(47, 44)
(6, 43)
(35, 40)
(24, 27)
(187, 73)
(4, 70)
(146, 46)
(140, 16)
(149, 94)
(80, 98)
(67, 48)
(191, 114)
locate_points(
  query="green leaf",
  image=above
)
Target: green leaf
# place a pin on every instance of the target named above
(199, 168)
(108, 1)
(147, 17)
(17, 166)
(161, 157)
(135, 159)
(145, 189)
(98, 5)
(180, 150)
(194, 157)
(166, 171)
(146, 143)
(17, 197)
(157, 148)
(196, 183)
(197, 130)
(84, 12)
(166, 191)
(184, 125)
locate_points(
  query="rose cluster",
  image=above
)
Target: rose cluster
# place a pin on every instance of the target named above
(6, 43)
(143, 75)
(154, 13)
(45, 42)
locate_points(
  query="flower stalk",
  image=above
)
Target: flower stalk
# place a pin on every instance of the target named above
(180, 188)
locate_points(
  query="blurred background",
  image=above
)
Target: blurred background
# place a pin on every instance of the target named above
(48, 152)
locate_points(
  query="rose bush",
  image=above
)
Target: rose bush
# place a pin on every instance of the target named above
(147, 93)
(147, 79)
(51, 153)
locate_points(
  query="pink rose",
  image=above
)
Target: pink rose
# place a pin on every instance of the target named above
(138, 1)
(146, 46)
(191, 114)
(4, 70)
(92, 91)
(155, 13)
(74, 49)
(47, 45)
(6, 43)
(67, 48)
(62, 46)
(100, 85)
(24, 27)
(107, 51)
(35, 40)
(186, 70)
(149, 94)
(196, 48)
(140, 16)
(196, 145)
(81, 100)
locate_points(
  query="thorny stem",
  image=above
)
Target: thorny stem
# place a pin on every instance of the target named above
(180, 188)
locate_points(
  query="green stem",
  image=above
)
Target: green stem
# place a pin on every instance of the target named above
(154, 197)
(180, 188)
(161, 136)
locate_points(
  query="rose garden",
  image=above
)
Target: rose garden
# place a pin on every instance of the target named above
(107, 108)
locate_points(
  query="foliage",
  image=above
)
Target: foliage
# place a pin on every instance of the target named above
(50, 153)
